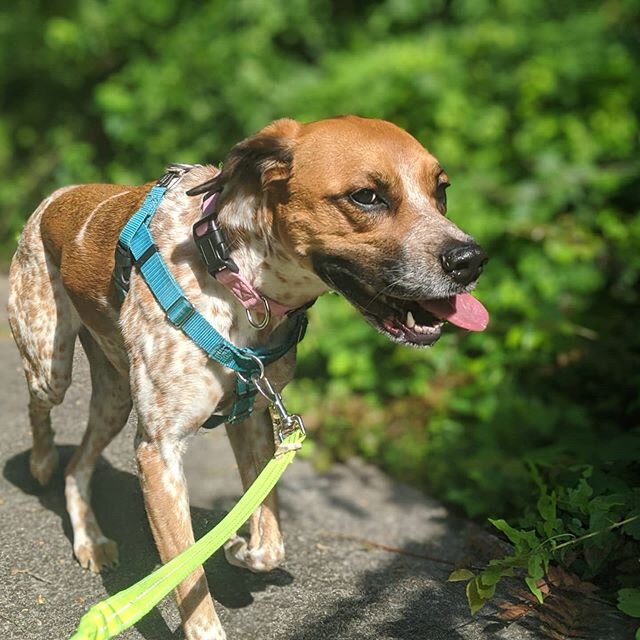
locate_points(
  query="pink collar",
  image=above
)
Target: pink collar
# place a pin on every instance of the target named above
(248, 296)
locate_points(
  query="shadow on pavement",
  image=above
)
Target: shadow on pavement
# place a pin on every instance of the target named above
(405, 598)
(408, 598)
(343, 589)
(119, 508)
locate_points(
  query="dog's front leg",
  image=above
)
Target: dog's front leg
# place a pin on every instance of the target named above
(166, 500)
(253, 446)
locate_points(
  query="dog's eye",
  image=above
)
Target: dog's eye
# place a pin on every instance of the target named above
(442, 196)
(366, 198)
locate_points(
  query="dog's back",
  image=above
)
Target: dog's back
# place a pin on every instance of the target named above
(79, 231)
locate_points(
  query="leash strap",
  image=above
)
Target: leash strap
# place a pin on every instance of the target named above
(122, 610)
(136, 240)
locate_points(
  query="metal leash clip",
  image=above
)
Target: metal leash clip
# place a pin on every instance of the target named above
(284, 423)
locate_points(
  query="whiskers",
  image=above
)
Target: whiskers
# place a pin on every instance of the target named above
(388, 289)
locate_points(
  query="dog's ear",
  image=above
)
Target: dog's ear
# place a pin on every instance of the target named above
(259, 161)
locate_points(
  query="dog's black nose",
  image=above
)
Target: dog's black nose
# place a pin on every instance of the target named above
(464, 262)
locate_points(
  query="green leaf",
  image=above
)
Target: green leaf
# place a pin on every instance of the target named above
(474, 598)
(514, 535)
(579, 497)
(629, 602)
(547, 510)
(533, 587)
(535, 568)
(531, 539)
(633, 528)
(485, 591)
(524, 541)
(459, 575)
(492, 575)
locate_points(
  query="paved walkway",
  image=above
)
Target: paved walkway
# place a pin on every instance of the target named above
(367, 558)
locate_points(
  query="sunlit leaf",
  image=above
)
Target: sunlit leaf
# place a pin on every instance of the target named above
(534, 588)
(460, 574)
(474, 598)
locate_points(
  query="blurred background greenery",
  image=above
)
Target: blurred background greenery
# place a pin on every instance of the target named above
(532, 106)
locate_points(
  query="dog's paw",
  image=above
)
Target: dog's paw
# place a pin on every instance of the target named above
(42, 465)
(258, 559)
(97, 555)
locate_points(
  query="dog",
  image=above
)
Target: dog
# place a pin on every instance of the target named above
(348, 204)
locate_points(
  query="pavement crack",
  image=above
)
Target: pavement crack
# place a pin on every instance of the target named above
(35, 576)
(371, 544)
(13, 622)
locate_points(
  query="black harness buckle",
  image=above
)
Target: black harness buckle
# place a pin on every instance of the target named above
(212, 244)
(122, 271)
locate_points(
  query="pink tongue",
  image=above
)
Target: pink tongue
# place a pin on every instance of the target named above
(463, 310)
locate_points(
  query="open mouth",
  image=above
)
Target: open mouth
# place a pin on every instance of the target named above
(420, 322)
(406, 321)
(409, 321)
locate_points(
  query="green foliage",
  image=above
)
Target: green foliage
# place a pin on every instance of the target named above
(533, 108)
(585, 527)
(629, 602)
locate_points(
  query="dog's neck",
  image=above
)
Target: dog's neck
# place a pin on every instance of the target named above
(262, 258)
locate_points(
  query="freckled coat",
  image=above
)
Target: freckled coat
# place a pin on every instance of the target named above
(295, 231)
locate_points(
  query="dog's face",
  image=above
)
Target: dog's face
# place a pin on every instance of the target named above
(363, 205)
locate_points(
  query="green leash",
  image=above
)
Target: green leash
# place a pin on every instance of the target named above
(122, 610)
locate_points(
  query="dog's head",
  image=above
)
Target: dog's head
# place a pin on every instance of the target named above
(362, 204)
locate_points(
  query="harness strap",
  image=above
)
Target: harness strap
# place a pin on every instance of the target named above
(137, 240)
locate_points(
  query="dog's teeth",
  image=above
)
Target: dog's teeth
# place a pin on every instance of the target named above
(410, 321)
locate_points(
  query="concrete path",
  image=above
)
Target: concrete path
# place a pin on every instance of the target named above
(367, 558)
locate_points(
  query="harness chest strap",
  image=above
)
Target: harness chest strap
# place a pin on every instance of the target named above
(137, 242)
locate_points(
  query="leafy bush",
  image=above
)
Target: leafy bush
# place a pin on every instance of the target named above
(533, 108)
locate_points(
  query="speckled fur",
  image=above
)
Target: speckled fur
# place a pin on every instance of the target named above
(278, 207)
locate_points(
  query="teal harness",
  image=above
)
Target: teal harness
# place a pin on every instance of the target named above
(136, 247)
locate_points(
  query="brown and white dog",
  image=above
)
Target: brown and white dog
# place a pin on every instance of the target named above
(350, 204)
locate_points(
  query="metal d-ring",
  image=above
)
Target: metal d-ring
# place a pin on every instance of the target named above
(265, 320)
